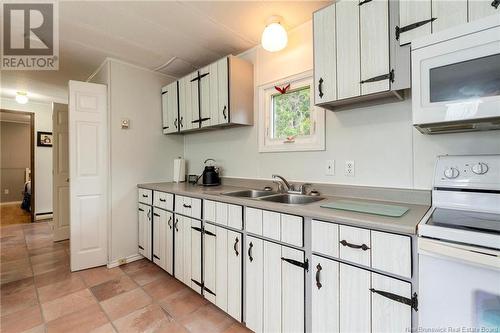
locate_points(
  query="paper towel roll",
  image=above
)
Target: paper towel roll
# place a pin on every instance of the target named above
(179, 170)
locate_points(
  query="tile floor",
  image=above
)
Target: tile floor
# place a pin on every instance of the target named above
(40, 294)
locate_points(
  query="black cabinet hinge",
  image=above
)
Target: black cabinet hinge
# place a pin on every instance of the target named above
(304, 265)
(155, 214)
(209, 291)
(141, 247)
(363, 2)
(412, 26)
(412, 302)
(200, 120)
(495, 3)
(164, 92)
(156, 257)
(209, 233)
(199, 77)
(388, 76)
(199, 284)
(197, 229)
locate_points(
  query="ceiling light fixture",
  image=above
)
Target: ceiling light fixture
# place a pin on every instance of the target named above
(21, 97)
(274, 36)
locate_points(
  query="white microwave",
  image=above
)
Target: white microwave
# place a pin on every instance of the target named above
(456, 78)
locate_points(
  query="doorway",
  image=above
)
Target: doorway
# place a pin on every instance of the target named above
(17, 167)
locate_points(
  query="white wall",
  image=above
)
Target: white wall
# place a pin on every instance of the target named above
(387, 150)
(140, 154)
(43, 155)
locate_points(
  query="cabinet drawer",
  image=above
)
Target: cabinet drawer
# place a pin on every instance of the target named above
(145, 196)
(354, 244)
(253, 220)
(223, 213)
(391, 253)
(325, 238)
(163, 200)
(188, 206)
(292, 229)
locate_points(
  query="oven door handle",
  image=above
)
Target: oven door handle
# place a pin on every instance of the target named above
(462, 253)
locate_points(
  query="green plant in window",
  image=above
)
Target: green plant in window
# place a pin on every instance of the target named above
(292, 114)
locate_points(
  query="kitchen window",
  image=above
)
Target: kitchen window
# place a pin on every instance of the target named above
(289, 121)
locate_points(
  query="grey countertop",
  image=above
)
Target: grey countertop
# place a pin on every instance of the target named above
(406, 224)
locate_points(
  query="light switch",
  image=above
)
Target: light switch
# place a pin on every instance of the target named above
(330, 168)
(125, 123)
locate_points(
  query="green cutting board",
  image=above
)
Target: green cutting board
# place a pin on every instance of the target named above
(367, 207)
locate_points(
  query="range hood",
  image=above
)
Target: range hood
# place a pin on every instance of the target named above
(469, 125)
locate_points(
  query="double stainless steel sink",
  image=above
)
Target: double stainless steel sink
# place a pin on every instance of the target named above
(271, 196)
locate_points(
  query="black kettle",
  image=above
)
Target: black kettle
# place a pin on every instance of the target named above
(210, 175)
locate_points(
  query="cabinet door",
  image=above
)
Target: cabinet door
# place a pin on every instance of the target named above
(325, 74)
(271, 224)
(448, 14)
(144, 241)
(411, 12)
(235, 216)
(179, 248)
(195, 258)
(355, 310)
(292, 291)
(374, 34)
(387, 314)
(234, 273)
(481, 8)
(159, 238)
(325, 295)
(170, 108)
(188, 102)
(254, 283)
(209, 210)
(221, 269)
(253, 220)
(223, 90)
(348, 56)
(169, 245)
(221, 213)
(272, 288)
(292, 229)
(210, 262)
(208, 95)
(165, 110)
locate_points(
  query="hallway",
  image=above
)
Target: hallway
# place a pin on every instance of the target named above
(40, 294)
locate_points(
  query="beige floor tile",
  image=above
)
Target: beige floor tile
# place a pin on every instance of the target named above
(147, 274)
(67, 304)
(237, 328)
(85, 320)
(98, 275)
(136, 265)
(113, 287)
(163, 287)
(125, 303)
(207, 319)
(182, 303)
(21, 321)
(106, 328)
(18, 301)
(59, 289)
(51, 277)
(16, 286)
(147, 319)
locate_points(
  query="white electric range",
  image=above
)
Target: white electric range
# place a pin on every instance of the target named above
(459, 246)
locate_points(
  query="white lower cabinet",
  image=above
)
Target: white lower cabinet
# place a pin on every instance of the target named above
(163, 239)
(187, 251)
(354, 299)
(145, 233)
(274, 287)
(222, 266)
(325, 295)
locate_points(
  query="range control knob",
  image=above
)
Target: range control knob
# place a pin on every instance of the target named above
(480, 168)
(451, 173)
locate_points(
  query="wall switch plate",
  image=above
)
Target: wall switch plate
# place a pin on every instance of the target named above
(349, 168)
(125, 123)
(330, 168)
(6, 191)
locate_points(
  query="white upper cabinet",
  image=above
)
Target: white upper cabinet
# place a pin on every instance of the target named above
(325, 75)
(449, 14)
(482, 8)
(188, 102)
(414, 20)
(221, 114)
(170, 108)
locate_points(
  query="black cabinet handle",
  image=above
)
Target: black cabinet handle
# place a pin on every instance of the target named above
(144, 195)
(154, 214)
(165, 127)
(388, 76)
(175, 225)
(236, 240)
(224, 112)
(141, 210)
(149, 214)
(320, 87)
(412, 26)
(250, 246)
(363, 2)
(175, 123)
(180, 121)
(186, 206)
(163, 200)
(363, 247)
(412, 302)
(318, 270)
(495, 3)
(170, 222)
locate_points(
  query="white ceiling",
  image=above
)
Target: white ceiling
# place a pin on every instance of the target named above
(185, 34)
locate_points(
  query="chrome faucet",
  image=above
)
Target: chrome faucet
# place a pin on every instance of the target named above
(284, 182)
(285, 186)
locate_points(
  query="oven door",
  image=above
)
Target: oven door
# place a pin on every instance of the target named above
(457, 79)
(459, 286)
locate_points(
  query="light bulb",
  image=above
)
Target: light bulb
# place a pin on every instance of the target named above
(21, 97)
(274, 37)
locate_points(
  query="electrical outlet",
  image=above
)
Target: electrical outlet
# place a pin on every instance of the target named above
(122, 261)
(330, 168)
(6, 191)
(349, 168)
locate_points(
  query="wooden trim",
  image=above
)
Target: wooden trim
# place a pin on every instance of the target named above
(32, 155)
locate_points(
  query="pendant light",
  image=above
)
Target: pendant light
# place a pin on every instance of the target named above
(274, 36)
(21, 97)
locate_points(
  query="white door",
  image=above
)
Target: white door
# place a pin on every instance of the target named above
(355, 299)
(179, 248)
(411, 12)
(169, 245)
(170, 108)
(449, 14)
(272, 288)
(254, 283)
(221, 269)
(234, 272)
(481, 8)
(209, 262)
(325, 73)
(60, 167)
(348, 56)
(374, 34)
(325, 295)
(292, 291)
(223, 90)
(196, 280)
(89, 174)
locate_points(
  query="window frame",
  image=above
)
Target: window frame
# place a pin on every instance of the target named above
(313, 142)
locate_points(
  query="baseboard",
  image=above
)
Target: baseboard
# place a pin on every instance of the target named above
(126, 260)
(10, 203)
(43, 216)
